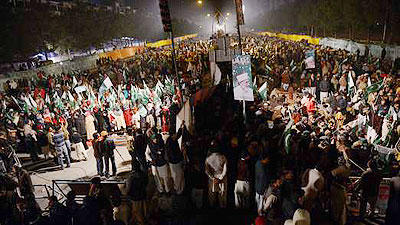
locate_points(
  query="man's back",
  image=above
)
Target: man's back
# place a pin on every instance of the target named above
(369, 183)
(137, 183)
(58, 139)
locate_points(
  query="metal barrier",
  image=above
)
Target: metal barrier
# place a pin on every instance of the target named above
(81, 188)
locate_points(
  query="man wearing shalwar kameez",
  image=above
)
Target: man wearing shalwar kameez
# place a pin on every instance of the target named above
(155, 154)
(216, 170)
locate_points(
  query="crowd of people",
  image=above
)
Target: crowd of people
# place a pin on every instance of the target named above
(288, 159)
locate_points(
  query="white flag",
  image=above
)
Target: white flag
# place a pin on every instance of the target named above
(71, 98)
(47, 100)
(107, 82)
(215, 73)
(26, 99)
(32, 101)
(351, 82)
(64, 95)
(74, 81)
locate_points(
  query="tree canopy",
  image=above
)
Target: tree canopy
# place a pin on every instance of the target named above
(26, 31)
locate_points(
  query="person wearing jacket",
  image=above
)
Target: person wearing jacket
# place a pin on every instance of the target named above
(61, 148)
(79, 123)
(107, 146)
(139, 146)
(77, 144)
(175, 160)
(98, 155)
(324, 86)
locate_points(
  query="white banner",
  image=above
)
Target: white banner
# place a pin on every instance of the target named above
(242, 79)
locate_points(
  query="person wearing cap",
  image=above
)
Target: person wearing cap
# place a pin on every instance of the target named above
(216, 170)
(155, 154)
(61, 149)
(107, 146)
(242, 185)
(77, 144)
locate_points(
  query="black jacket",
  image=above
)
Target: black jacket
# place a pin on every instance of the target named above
(157, 153)
(172, 149)
(76, 138)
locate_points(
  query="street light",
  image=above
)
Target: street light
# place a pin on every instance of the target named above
(228, 14)
(200, 2)
(208, 15)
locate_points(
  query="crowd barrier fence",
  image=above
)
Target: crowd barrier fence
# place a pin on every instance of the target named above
(392, 51)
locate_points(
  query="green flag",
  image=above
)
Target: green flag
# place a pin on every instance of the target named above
(374, 87)
(263, 91)
(287, 134)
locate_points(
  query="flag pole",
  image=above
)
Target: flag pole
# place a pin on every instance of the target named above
(175, 65)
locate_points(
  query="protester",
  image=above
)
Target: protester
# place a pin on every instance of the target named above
(107, 147)
(216, 170)
(369, 185)
(175, 160)
(77, 144)
(242, 185)
(136, 186)
(316, 126)
(155, 154)
(61, 148)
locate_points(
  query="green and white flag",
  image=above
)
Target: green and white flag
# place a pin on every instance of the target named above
(27, 102)
(107, 84)
(374, 87)
(33, 102)
(350, 82)
(255, 84)
(134, 93)
(263, 91)
(287, 134)
(147, 89)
